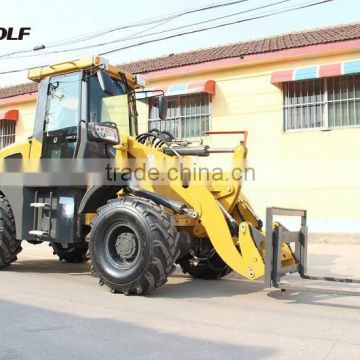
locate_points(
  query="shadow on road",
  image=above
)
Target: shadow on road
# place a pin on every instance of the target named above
(202, 289)
(313, 298)
(320, 292)
(181, 286)
(29, 332)
(50, 266)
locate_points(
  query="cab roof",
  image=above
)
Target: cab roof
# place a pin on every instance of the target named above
(64, 67)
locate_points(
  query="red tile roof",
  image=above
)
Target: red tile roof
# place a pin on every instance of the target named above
(16, 90)
(275, 43)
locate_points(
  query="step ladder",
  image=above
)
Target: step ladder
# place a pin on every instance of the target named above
(38, 210)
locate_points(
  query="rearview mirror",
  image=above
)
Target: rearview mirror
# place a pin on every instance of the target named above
(162, 107)
(106, 83)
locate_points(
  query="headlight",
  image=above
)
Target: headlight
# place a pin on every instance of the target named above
(104, 132)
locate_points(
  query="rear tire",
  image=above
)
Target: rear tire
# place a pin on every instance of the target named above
(9, 245)
(133, 245)
(74, 253)
(205, 263)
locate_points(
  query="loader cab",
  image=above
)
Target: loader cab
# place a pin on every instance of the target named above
(80, 113)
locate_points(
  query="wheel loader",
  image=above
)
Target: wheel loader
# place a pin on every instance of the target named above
(134, 231)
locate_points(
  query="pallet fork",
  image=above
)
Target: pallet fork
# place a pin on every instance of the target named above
(276, 236)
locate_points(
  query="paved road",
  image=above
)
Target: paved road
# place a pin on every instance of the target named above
(53, 310)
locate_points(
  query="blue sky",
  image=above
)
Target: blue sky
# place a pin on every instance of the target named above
(58, 20)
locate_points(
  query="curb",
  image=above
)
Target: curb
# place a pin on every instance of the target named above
(334, 238)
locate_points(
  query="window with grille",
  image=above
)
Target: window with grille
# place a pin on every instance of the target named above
(322, 103)
(7, 132)
(188, 116)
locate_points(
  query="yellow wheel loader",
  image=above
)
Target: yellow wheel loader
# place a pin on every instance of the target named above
(135, 229)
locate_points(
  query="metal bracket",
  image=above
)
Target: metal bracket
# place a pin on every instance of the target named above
(275, 238)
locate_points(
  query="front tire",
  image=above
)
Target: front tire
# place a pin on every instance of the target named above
(9, 245)
(133, 245)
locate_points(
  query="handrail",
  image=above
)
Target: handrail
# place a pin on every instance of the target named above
(242, 132)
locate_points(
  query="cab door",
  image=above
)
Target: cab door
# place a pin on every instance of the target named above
(57, 117)
(53, 206)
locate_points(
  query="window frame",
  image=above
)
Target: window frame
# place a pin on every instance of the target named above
(7, 125)
(49, 99)
(178, 110)
(325, 102)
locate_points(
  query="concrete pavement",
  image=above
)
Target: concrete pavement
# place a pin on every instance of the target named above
(54, 310)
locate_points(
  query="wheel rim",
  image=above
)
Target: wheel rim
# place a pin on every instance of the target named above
(122, 246)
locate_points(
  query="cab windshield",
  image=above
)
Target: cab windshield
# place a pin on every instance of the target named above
(106, 108)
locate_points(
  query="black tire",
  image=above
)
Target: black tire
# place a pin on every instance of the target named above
(9, 245)
(133, 245)
(74, 253)
(206, 265)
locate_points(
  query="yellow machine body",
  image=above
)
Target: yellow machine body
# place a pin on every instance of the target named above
(243, 253)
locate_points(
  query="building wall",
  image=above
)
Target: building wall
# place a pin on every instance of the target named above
(25, 123)
(311, 169)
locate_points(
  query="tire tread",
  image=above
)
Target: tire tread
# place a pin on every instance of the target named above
(165, 245)
(10, 247)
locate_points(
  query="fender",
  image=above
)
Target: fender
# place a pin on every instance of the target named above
(97, 196)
